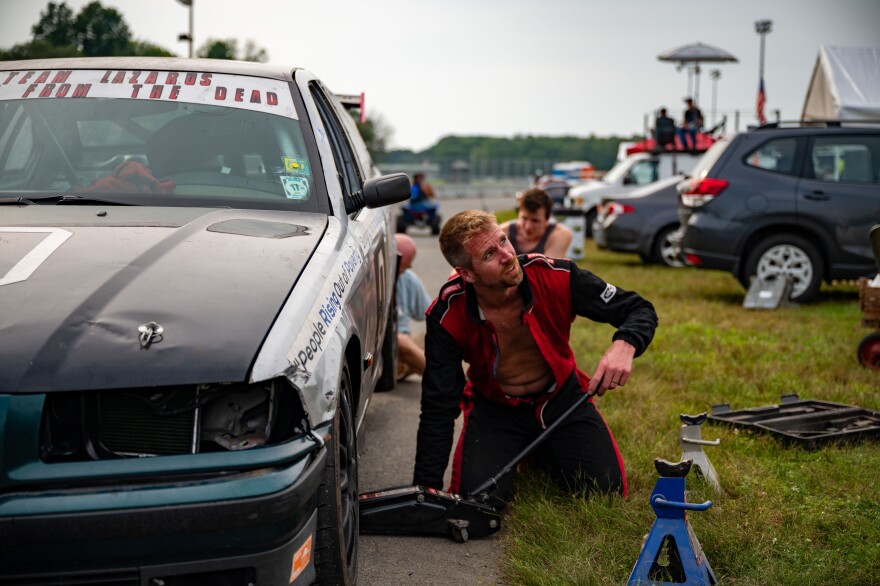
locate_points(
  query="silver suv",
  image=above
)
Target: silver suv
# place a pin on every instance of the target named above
(785, 200)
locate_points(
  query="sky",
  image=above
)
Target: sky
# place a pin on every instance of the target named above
(431, 68)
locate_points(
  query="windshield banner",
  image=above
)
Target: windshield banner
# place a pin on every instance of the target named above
(216, 89)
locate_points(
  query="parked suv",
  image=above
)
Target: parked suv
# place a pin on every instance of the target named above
(785, 199)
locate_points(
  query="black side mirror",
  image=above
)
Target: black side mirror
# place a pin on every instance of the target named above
(386, 190)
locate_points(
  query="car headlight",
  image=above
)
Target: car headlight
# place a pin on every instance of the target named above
(119, 423)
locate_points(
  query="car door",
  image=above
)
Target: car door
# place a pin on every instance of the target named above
(840, 192)
(367, 226)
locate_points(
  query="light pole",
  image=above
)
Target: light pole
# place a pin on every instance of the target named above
(188, 36)
(763, 28)
(715, 74)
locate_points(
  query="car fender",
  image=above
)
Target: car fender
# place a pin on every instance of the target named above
(769, 226)
(307, 341)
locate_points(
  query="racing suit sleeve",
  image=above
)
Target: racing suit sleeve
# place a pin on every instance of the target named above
(442, 386)
(632, 315)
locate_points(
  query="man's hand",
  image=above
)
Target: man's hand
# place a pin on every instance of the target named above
(614, 369)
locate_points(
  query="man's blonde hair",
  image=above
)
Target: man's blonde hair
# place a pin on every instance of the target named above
(459, 230)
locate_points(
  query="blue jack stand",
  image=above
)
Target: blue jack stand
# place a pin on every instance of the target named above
(671, 553)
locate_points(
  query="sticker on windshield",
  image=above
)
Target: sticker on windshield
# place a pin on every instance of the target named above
(217, 89)
(296, 166)
(295, 187)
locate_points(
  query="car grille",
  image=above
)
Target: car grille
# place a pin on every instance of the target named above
(128, 424)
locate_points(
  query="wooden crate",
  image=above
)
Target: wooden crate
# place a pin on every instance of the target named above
(869, 301)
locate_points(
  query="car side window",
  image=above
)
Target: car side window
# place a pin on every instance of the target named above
(363, 159)
(776, 155)
(849, 159)
(16, 141)
(642, 173)
(349, 176)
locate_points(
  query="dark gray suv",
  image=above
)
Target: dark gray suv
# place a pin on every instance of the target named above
(780, 200)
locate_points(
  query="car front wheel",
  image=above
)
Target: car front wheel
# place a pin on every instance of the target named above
(786, 255)
(336, 553)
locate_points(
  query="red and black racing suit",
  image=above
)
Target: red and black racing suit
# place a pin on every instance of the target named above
(582, 452)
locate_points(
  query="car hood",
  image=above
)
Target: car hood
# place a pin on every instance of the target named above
(588, 185)
(77, 282)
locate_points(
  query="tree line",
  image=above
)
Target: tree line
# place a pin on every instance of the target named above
(98, 31)
(601, 151)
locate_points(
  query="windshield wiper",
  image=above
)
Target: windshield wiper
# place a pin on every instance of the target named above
(15, 201)
(64, 199)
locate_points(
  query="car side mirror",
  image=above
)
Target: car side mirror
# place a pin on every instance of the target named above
(628, 180)
(386, 190)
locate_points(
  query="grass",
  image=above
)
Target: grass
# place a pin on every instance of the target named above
(786, 515)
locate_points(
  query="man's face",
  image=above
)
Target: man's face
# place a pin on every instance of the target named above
(532, 224)
(493, 260)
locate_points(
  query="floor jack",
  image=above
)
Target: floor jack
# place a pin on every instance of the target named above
(417, 510)
(671, 553)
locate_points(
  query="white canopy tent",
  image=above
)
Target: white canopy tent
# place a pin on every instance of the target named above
(845, 85)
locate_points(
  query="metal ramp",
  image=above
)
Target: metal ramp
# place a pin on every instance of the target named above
(809, 424)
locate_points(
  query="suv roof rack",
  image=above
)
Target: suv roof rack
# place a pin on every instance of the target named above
(813, 124)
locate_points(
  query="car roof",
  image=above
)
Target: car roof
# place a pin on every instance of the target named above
(818, 127)
(272, 71)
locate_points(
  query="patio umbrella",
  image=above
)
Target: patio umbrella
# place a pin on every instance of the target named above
(694, 54)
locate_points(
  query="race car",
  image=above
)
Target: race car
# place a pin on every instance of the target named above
(197, 269)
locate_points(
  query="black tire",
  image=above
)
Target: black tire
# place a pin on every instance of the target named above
(868, 351)
(401, 225)
(661, 251)
(786, 254)
(388, 379)
(435, 224)
(336, 551)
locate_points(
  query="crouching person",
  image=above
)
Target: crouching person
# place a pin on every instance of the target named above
(510, 318)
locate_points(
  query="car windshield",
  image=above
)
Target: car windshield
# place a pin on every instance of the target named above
(173, 139)
(617, 171)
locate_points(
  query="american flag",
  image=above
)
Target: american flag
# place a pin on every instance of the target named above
(762, 99)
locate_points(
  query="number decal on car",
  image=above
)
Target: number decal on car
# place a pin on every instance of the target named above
(32, 260)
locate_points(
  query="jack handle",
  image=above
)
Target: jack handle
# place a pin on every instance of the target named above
(701, 442)
(482, 491)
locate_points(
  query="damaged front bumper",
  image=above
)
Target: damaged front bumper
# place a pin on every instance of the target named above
(221, 517)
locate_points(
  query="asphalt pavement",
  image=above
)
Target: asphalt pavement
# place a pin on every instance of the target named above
(389, 453)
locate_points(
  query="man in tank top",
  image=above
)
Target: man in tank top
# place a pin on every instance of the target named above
(533, 231)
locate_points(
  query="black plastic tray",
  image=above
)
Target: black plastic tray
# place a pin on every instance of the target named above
(807, 423)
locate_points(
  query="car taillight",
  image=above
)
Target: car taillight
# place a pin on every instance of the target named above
(617, 209)
(693, 259)
(698, 192)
